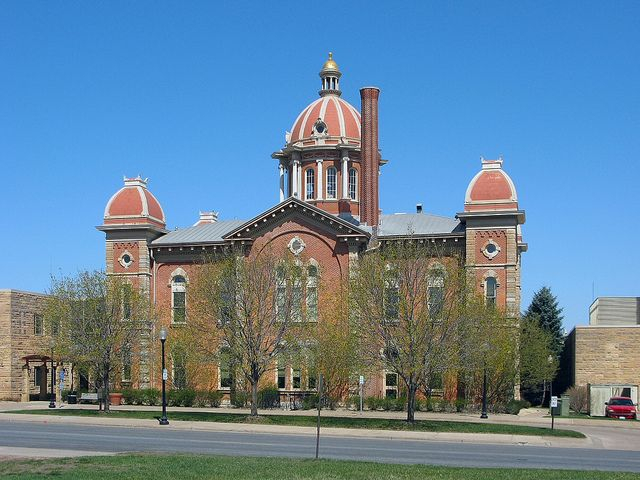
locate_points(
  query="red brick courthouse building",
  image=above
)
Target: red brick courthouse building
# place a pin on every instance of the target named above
(329, 171)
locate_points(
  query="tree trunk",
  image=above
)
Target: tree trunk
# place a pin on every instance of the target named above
(411, 402)
(544, 392)
(254, 397)
(105, 390)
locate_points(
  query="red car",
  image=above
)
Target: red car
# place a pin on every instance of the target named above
(620, 407)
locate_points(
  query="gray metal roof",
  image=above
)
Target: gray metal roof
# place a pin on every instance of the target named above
(205, 233)
(417, 224)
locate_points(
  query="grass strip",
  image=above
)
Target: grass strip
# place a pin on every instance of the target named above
(158, 467)
(326, 421)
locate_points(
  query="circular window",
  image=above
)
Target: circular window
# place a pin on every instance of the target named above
(126, 258)
(491, 248)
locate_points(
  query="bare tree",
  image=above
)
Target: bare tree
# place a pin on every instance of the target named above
(408, 301)
(96, 320)
(250, 306)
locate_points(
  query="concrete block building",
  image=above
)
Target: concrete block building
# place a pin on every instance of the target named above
(327, 179)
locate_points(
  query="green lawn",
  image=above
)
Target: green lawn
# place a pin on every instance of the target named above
(326, 421)
(173, 467)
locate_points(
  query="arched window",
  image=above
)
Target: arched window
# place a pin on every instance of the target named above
(312, 292)
(436, 290)
(353, 183)
(332, 190)
(179, 368)
(311, 179)
(178, 299)
(490, 289)
(281, 294)
(226, 375)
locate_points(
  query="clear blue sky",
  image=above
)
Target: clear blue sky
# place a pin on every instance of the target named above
(197, 95)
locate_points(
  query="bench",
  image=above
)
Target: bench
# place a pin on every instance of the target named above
(89, 397)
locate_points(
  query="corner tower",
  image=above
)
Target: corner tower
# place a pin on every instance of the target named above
(321, 160)
(493, 235)
(133, 218)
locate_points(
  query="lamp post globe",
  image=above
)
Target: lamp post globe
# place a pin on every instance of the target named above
(163, 419)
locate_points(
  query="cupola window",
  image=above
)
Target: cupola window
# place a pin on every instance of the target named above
(332, 182)
(353, 183)
(311, 179)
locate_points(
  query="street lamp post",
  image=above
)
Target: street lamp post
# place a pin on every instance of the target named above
(485, 348)
(163, 419)
(550, 360)
(52, 402)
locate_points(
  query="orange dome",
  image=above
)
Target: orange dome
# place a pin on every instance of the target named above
(491, 189)
(134, 204)
(328, 117)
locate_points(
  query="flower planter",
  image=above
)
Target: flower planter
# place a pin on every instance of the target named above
(115, 398)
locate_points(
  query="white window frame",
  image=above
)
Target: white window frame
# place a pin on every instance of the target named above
(332, 183)
(353, 184)
(309, 193)
(178, 287)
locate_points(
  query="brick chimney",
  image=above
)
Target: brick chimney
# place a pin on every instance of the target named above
(370, 163)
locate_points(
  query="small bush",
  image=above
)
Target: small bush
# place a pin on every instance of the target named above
(374, 403)
(184, 397)
(579, 399)
(150, 396)
(269, 397)
(205, 398)
(310, 402)
(513, 407)
(239, 399)
(461, 405)
(130, 396)
(353, 402)
(399, 404)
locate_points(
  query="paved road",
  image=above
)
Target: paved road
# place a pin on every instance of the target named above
(125, 439)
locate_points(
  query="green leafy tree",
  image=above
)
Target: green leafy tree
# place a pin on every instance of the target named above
(545, 309)
(96, 320)
(249, 306)
(538, 361)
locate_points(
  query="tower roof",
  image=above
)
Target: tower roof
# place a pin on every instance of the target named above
(134, 204)
(491, 189)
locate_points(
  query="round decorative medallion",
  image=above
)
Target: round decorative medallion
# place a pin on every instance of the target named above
(296, 245)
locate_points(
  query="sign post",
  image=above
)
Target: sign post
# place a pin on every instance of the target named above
(553, 404)
(361, 390)
(319, 407)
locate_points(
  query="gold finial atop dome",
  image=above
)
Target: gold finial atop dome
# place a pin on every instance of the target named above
(330, 75)
(330, 65)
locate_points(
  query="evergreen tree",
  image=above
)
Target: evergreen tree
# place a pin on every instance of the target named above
(544, 307)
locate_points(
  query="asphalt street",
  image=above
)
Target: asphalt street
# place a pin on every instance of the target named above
(166, 439)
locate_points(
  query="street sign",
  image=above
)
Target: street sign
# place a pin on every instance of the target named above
(554, 402)
(165, 374)
(361, 379)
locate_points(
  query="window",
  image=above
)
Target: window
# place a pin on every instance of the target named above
(179, 299)
(311, 177)
(38, 324)
(126, 363)
(228, 304)
(353, 183)
(491, 286)
(126, 302)
(391, 385)
(332, 182)
(436, 292)
(311, 380)
(281, 378)
(179, 369)
(312, 293)
(226, 378)
(281, 295)
(296, 378)
(391, 302)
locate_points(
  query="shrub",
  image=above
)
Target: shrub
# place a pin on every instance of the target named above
(149, 396)
(239, 398)
(374, 403)
(269, 397)
(461, 405)
(398, 404)
(130, 396)
(513, 407)
(353, 402)
(205, 398)
(579, 399)
(184, 397)
(310, 402)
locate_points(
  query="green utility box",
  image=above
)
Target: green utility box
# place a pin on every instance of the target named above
(564, 403)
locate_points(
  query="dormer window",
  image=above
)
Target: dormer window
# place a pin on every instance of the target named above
(320, 128)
